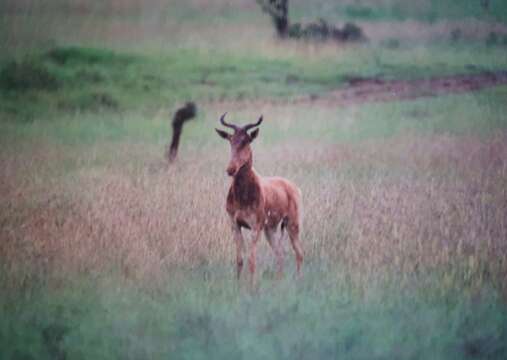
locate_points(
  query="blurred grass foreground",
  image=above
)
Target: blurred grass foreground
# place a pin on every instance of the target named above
(107, 252)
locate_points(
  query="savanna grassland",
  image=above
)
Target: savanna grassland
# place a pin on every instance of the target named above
(106, 252)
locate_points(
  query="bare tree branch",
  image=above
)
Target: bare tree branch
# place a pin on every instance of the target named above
(182, 115)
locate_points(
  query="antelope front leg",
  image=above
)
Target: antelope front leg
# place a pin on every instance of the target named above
(253, 255)
(240, 245)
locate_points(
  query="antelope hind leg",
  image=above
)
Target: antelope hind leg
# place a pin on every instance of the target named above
(296, 245)
(276, 244)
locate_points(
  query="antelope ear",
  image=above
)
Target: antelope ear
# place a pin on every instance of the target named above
(223, 134)
(254, 134)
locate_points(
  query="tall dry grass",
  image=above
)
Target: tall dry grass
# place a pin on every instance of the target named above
(405, 205)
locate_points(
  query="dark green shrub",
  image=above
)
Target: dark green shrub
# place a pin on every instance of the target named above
(27, 75)
(80, 55)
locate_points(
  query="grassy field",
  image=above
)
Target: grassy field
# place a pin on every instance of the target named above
(106, 252)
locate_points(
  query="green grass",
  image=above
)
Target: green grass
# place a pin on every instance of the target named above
(466, 114)
(107, 253)
(79, 79)
(206, 316)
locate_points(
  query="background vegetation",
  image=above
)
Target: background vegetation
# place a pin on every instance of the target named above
(105, 252)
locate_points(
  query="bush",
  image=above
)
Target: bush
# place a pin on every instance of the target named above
(321, 30)
(27, 75)
(65, 55)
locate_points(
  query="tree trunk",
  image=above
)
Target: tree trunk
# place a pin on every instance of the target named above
(279, 12)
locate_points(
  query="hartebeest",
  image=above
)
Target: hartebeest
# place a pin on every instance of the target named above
(259, 203)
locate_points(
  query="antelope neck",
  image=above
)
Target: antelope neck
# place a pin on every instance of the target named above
(246, 187)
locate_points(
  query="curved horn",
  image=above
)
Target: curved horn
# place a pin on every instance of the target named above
(249, 126)
(222, 121)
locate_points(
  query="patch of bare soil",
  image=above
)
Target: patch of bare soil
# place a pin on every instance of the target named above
(361, 90)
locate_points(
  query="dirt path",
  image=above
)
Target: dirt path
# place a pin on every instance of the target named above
(362, 90)
(375, 90)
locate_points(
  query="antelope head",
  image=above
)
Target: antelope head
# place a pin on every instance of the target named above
(240, 139)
